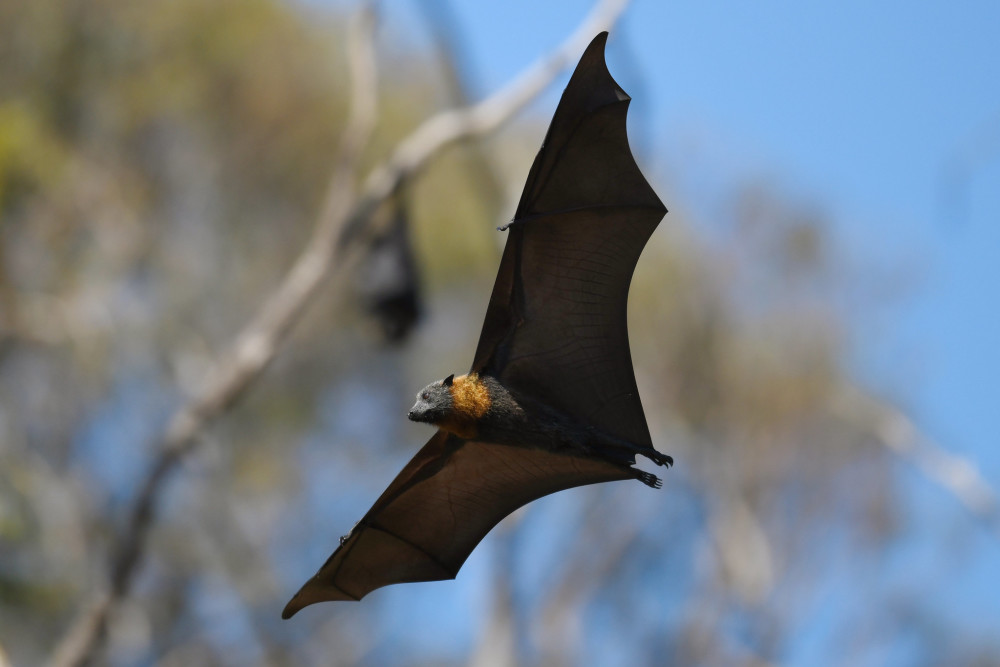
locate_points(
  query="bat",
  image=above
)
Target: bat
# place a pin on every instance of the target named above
(550, 402)
(388, 282)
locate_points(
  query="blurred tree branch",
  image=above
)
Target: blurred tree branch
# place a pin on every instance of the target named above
(342, 220)
(252, 351)
(899, 434)
(453, 58)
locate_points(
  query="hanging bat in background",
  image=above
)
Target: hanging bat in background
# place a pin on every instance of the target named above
(388, 282)
(551, 401)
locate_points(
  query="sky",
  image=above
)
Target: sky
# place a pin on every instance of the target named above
(883, 115)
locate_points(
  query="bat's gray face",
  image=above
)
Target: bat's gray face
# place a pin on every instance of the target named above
(433, 403)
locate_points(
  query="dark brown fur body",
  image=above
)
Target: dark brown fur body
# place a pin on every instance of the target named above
(480, 407)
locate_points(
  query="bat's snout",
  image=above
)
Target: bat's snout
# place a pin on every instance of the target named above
(416, 413)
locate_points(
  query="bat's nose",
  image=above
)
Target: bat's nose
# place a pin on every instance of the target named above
(411, 415)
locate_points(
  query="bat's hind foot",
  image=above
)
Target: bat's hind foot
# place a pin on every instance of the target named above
(647, 478)
(633, 449)
(659, 458)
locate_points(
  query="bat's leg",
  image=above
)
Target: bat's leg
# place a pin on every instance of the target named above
(647, 478)
(656, 457)
(605, 443)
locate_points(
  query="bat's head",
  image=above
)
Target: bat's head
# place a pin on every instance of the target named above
(434, 402)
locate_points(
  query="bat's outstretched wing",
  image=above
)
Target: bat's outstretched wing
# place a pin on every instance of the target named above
(555, 330)
(556, 324)
(443, 503)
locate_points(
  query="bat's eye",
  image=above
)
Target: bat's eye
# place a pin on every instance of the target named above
(425, 396)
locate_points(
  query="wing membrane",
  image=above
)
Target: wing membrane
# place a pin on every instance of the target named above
(443, 503)
(556, 327)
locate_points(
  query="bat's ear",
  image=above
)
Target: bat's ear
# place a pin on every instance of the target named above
(448, 380)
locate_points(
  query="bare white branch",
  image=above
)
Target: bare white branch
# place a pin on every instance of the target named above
(899, 434)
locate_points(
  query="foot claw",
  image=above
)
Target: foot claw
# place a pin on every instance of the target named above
(647, 478)
(660, 459)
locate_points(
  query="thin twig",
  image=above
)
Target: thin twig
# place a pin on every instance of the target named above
(341, 220)
(899, 434)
